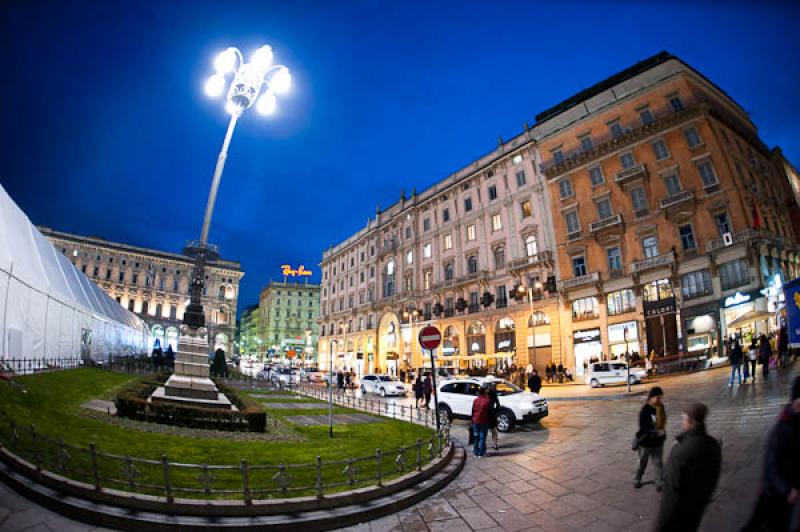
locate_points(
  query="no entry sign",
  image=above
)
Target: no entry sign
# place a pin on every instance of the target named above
(430, 337)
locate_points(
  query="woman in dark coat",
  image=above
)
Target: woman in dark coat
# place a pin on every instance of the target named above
(494, 406)
(418, 390)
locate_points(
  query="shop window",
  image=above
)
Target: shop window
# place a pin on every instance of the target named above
(585, 308)
(734, 273)
(696, 284)
(620, 302)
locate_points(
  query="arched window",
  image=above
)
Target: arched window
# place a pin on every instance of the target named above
(530, 246)
(472, 264)
(448, 272)
(389, 280)
(222, 316)
(222, 292)
(499, 258)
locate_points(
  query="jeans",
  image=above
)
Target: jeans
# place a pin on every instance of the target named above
(657, 453)
(735, 368)
(480, 432)
(753, 369)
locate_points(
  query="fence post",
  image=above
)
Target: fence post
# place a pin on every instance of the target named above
(419, 454)
(167, 480)
(95, 471)
(318, 482)
(245, 482)
(378, 466)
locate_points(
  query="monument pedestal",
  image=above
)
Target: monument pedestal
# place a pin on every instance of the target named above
(189, 383)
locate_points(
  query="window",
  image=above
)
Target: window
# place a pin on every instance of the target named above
(639, 201)
(627, 160)
(579, 266)
(672, 183)
(658, 290)
(646, 115)
(586, 142)
(121, 277)
(501, 295)
(585, 308)
(521, 178)
(427, 250)
(427, 280)
(492, 192)
(408, 236)
(497, 223)
(473, 301)
(687, 237)
(130, 304)
(83, 268)
(426, 224)
(499, 258)
(146, 307)
(471, 232)
(558, 157)
(734, 273)
(517, 159)
(409, 287)
(604, 208)
(614, 259)
(596, 176)
(660, 150)
(531, 247)
(565, 188)
(448, 242)
(526, 208)
(467, 204)
(409, 260)
(472, 264)
(388, 280)
(372, 272)
(448, 272)
(173, 312)
(620, 302)
(615, 128)
(707, 173)
(692, 138)
(361, 276)
(723, 222)
(696, 284)
(446, 215)
(135, 279)
(95, 271)
(676, 103)
(650, 246)
(573, 223)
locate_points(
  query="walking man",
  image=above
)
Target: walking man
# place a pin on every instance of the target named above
(736, 362)
(765, 352)
(752, 358)
(535, 382)
(480, 422)
(691, 475)
(650, 437)
(427, 387)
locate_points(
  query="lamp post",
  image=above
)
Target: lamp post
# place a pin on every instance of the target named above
(410, 315)
(342, 330)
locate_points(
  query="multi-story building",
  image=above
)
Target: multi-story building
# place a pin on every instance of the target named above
(462, 255)
(288, 319)
(155, 285)
(669, 213)
(248, 330)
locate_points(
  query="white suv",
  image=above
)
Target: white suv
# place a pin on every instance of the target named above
(601, 373)
(516, 406)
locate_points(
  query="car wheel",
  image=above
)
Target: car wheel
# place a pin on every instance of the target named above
(632, 379)
(593, 383)
(505, 420)
(445, 415)
(383, 392)
(363, 390)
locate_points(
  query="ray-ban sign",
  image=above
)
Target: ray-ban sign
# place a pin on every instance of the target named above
(301, 271)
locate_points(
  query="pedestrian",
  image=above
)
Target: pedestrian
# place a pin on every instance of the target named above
(340, 380)
(691, 474)
(347, 380)
(560, 373)
(650, 437)
(529, 370)
(427, 388)
(736, 362)
(480, 422)
(547, 373)
(535, 382)
(765, 352)
(418, 390)
(752, 359)
(494, 406)
(781, 478)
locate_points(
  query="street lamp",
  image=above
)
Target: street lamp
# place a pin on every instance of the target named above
(521, 290)
(410, 315)
(342, 330)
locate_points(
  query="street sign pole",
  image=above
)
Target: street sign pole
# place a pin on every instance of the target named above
(429, 338)
(627, 358)
(435, 395)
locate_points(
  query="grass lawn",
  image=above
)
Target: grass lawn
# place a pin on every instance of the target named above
(53, 404)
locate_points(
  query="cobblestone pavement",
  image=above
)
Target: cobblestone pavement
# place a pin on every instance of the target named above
(572, 472)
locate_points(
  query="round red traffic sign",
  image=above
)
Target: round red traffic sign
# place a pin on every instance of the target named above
(430, 337)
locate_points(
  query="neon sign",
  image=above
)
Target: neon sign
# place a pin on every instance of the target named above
(301, 271)
(737, 299)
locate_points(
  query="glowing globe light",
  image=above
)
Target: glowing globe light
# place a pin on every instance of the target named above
(267, 103)
(215, 85)
(225, 61)
(281, 81)
(262, 58)
(232, 108)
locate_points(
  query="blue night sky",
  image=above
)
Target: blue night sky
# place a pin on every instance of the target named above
(105, 129)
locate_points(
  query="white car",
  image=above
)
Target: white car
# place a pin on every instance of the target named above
(285, 376)
(516, 406)
(602, 373)
(315, 375)
(382, 384)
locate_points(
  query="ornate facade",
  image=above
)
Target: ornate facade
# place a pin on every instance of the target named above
(287, 317)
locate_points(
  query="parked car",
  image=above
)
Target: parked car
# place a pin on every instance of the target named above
(315, 375)
(602, 373)
(382, 384)
(517, 406)
(285, 377)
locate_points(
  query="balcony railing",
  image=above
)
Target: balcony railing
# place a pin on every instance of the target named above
(605, 223)
(629, 174)
(738, 237)
(589, 278)
(538, 258)
(654, 262)
(501, 303)
(675, 199)
(390, 246)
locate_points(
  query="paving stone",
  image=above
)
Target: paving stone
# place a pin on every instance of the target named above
(436, 509)
(512, 520)
(477, 518)
(24, 519)
(449, 525)
(390, 523)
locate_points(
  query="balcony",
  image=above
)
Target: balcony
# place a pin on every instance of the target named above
(738, 237)
(676, 199)
(605, 223)
(389, 246)
(543, 257)
(501, 303)
(589, 278)
(658, 261)
(629, 174)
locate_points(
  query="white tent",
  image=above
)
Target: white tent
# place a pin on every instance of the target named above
(49, 309)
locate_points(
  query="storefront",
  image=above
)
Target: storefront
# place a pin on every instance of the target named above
(587, 345)
(505, 343)
(540, 351)
(623, 338)
(745, 314)
(701, 328)
(450, 348)
(476, 343)
(661, 320)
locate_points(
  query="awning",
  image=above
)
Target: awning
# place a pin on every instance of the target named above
(747, 317)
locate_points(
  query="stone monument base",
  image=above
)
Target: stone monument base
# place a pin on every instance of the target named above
(161, 396)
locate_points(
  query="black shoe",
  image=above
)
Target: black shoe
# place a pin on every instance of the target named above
(637, 484)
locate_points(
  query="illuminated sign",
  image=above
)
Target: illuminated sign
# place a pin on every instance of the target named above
(737, 299)
(301, 271)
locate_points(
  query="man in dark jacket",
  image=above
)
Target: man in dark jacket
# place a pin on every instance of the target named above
(691, 474)
(427, 387)
(651, 436)
(535, 382)
(736, 356)
(781, 482)
(764, 352)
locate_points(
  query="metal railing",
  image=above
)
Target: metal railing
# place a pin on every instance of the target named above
(679, 197)
(654, 262)
(589, 278)
(609, 221)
